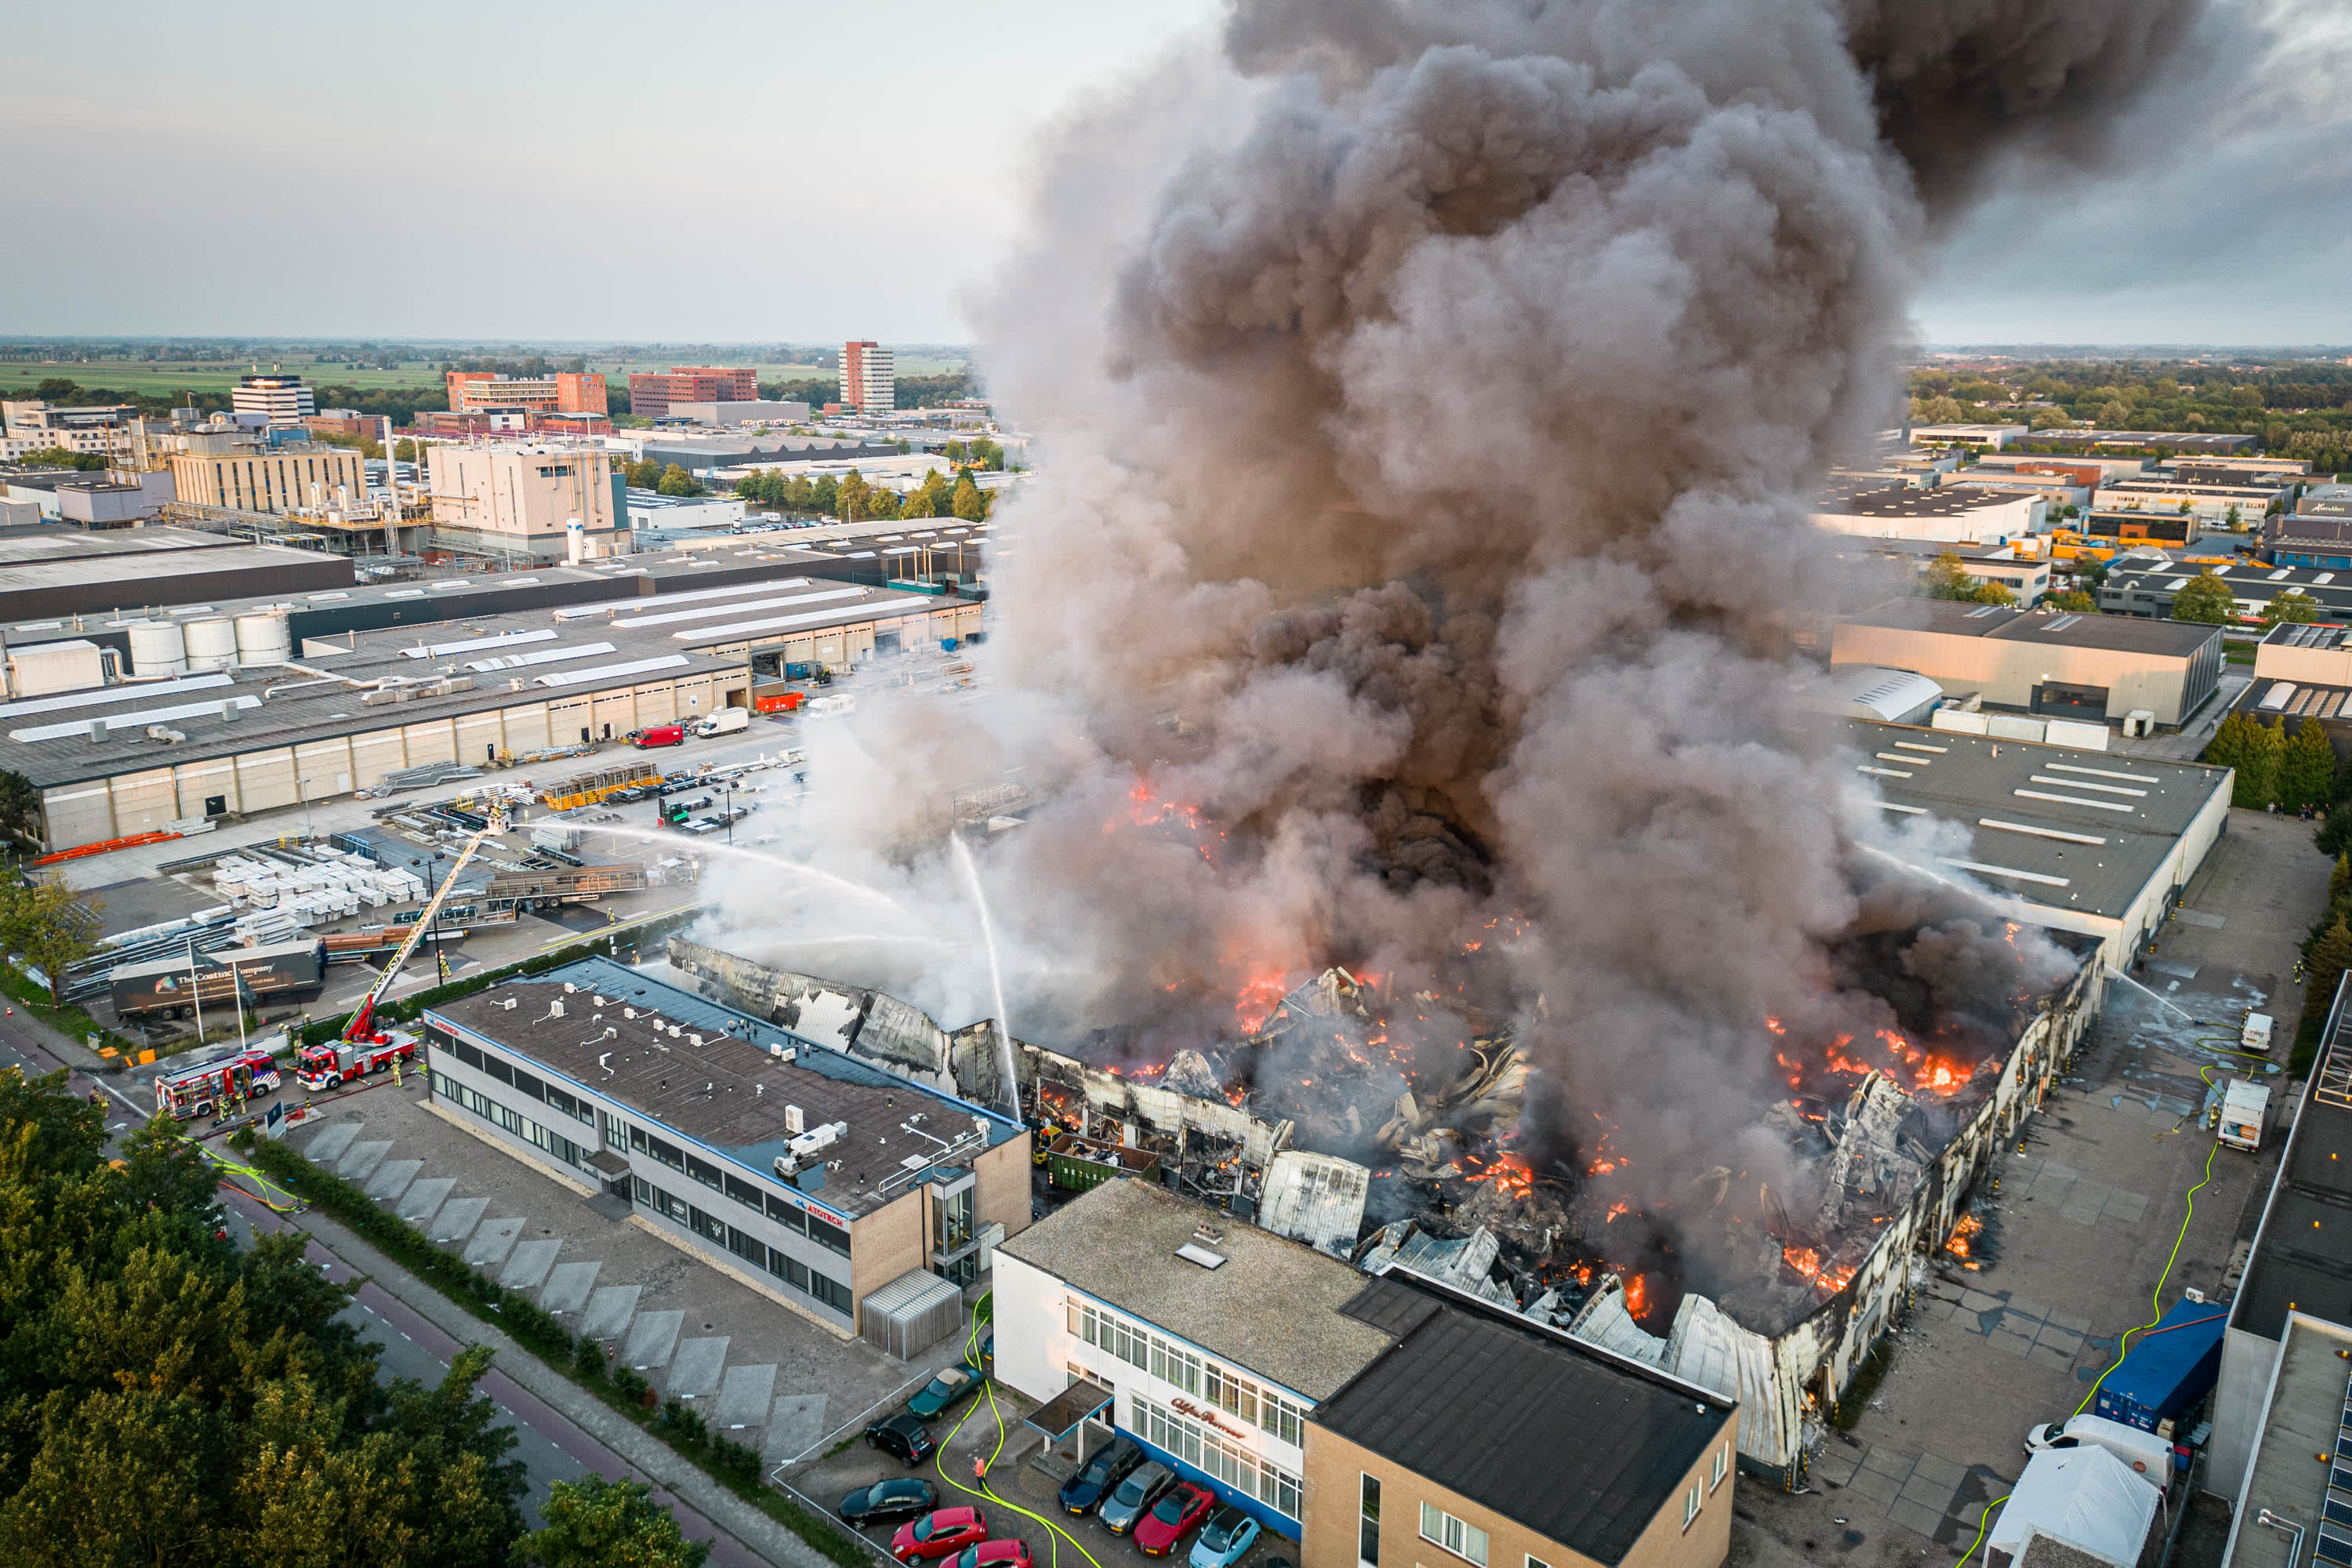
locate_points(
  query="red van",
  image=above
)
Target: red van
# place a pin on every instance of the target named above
(659, 735)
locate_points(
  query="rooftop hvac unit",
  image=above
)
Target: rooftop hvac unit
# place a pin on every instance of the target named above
(795, 1121)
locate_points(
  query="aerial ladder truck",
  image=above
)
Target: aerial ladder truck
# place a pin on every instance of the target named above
(362, 1048)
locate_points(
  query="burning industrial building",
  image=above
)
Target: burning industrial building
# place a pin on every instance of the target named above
(1395, 653)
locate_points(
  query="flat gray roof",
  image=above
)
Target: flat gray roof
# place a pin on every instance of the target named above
(1276, 1307)
(1901, 500)
(2168, 639)
(64, 542)
(728, 1094)
(2084, 830)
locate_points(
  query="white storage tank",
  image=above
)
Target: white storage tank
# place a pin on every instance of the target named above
(158, 648)
(262, 637)
(211, 643)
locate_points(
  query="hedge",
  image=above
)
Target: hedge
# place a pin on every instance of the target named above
(581, 1360)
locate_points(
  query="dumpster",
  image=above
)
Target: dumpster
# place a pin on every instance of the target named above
(2167, 1369)
(1079, 1164)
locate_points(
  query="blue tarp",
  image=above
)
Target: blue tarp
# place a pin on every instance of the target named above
(2167, 1369)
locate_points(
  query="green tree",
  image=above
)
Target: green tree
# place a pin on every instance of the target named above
(642, 475)
(2206, 598)
(854, 498)
(59, 458)
(2339, 880)
(211, 1396)
(2306, 768)
(20, 809)
(2324, 967)
(2078, 600)
(2252, 748)
(403, 450)
(595, 1523)
(2294, 607)
(1946, 578)
(969, 502)
(1944, 410)
(51, 925)
(675, 481)
(933, 498)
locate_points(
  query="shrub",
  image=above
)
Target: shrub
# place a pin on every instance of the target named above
(588, 1359)
(627, 1383)
(735, 1462)
(684, 1424)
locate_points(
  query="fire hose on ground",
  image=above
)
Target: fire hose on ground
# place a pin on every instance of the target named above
(939, 1462)
(2155, 1299)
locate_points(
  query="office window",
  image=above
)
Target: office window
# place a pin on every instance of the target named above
(703, 1171)
(1173, 1363)
(829, 1235)
(1367, 1520)
(831, 1293)
(786, 1212)
(751, 1248)
(466, 1054)
(1690, 1505)
(498, 1070)
(1465, 1541)
(531, 1084)
(709, 1227)
(617, 1135)
(1722, 1465)
(743, 1193)
(791, 1270)
(1533, 1561)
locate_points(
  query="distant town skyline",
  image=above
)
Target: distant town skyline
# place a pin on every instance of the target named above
(738, 173)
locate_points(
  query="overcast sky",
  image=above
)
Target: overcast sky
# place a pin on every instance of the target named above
(781, 171)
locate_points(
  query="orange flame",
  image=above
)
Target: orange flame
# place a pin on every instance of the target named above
(1637, 1297)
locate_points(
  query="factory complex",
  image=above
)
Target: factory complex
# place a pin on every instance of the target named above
(233, 709)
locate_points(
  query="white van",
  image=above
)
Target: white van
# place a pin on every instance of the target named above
(2256, 1035)
(2149, 1455)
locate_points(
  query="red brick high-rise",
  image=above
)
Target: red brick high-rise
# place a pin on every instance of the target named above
(652, 391)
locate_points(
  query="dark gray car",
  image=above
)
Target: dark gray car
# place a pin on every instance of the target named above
(1133, 1496)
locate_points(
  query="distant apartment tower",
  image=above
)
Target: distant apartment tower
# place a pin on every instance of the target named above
(870, 381)
(281, 399)
(652, 391)
(565, 392)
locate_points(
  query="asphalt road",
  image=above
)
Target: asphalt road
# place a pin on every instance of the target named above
(550, 1448)
(549, 1445)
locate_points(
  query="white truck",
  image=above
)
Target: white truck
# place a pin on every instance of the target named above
(2256, 1035)
(725, 721)
(2245, 1111)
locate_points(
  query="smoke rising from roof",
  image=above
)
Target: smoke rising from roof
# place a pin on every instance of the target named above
(1433, 396)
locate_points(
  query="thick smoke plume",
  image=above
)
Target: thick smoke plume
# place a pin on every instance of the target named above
(1430, 398)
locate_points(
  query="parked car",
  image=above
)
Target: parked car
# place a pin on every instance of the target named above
(2147, 1454)
(945, 1392)
(1171, 1519)
(1225, 1540)
(885, 1500)
(941, 1533)
(995, 1554)
(904, 1437)
(1138, 1492)
(1084, 1491)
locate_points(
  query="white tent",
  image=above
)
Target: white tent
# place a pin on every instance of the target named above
(2086, 1497)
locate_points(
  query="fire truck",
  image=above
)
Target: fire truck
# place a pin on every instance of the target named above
(206, 1088)
(365, 1048)
(326, 1065)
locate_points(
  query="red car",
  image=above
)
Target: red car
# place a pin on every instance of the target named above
(1172, 1517)
(995, 1554)
(941, 1533)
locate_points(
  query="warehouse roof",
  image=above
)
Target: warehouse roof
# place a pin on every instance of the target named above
(1272, 1306)
(729, 1094)
(2173, 639)
(1577, 1445)
(1902, 500)
(58, 542)
(2066, 829)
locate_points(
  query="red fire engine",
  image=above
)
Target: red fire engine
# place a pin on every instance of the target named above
(326, 1065)
(208, 1087)
(365, 1048)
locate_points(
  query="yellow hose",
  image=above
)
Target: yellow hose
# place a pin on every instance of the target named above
(938, 1461)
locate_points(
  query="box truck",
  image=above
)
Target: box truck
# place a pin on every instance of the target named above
(2167, 1370)
(2244, 1112)
(725, 721)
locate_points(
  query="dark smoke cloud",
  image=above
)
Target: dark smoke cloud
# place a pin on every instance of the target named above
(1434, 394)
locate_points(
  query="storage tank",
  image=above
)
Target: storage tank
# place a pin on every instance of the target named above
(211, 643)
(158, 648)
(262, 637)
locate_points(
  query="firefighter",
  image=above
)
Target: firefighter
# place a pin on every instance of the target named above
(396, 1072)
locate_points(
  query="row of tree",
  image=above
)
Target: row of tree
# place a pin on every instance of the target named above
(853, 498)
(672, 480)
(2206, 599)
(167, 1397)
(2275, 768)
(2301, 407)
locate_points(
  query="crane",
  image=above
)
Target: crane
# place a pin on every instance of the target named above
(362, 1028)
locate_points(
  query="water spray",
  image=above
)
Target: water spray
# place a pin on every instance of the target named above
(995, 974)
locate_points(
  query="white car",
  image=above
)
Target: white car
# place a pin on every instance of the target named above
(2149, 1455)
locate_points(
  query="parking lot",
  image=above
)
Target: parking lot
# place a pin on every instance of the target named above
(972, 1432)
(2081, 1220)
